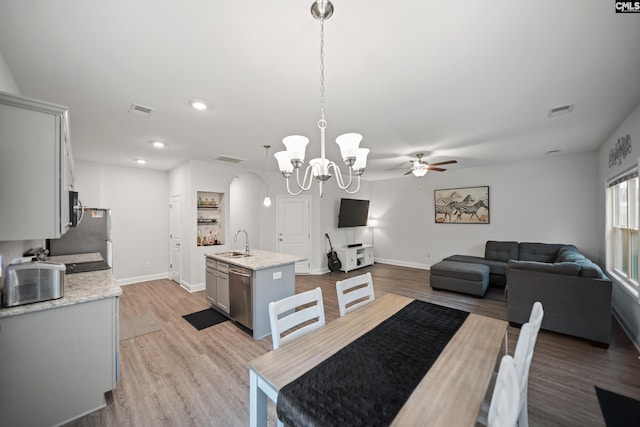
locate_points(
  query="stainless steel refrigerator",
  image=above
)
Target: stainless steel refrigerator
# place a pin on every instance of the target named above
(93, 234)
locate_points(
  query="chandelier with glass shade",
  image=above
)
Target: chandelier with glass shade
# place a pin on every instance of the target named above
(321, 168)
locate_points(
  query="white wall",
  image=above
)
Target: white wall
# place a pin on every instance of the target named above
(139, 203)
(325, 220)
(246, 194)
(547, 200)
(7, 82)
(625, 302)
(186, 180)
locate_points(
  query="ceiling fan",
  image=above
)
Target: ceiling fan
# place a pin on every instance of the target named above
(421, 167)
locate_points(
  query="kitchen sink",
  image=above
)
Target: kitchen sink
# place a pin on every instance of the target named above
(240, 255)
(234, 254)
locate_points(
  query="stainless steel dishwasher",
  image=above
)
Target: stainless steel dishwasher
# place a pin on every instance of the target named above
(240, 296)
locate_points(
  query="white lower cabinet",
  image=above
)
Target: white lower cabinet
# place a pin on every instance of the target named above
(356, 257)
(223, 291)
(58, 363)
(211, 284)
(217, 284)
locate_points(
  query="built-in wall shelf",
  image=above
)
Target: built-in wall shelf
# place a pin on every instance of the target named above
(210, 218)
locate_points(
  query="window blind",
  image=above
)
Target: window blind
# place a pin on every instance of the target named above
(625, 176)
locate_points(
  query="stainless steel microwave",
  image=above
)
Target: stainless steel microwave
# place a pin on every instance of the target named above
(76, 209)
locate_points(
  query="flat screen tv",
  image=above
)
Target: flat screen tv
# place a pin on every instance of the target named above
(353, 213)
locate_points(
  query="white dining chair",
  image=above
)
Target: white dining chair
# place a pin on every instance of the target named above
(286, 321)
(535, 318)
(505, 401)
(523, 355)
(354, 292)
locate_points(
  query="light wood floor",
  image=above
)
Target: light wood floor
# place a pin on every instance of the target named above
(183, 377)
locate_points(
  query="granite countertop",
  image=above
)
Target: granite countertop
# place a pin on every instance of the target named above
(78, 288)
(259, 260)
(69, 259)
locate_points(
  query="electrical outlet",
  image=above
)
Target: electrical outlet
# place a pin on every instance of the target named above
(147, 265)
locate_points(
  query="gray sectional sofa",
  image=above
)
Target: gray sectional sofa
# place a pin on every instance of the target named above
(574, 291)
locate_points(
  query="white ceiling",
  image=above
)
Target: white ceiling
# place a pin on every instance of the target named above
(467, 80)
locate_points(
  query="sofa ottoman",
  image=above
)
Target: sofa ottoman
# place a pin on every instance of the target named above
(464, 277)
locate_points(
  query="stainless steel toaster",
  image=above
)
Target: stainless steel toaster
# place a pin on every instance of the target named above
(33, 281)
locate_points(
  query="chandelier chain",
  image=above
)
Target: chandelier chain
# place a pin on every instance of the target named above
(322, 123)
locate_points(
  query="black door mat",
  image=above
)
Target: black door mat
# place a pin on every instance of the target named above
(205, 318)
(618, 410)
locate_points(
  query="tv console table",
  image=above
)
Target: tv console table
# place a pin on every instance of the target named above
(356, 257)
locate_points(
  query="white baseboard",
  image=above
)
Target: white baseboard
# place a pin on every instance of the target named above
(627, 330)
(404, 263)
(325, 270)
(192, 288)
(184, 285)
(139, 279)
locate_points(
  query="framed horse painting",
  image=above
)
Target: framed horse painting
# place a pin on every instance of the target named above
(468, 205)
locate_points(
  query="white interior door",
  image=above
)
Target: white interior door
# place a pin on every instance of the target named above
(174, 225)
(293, 229)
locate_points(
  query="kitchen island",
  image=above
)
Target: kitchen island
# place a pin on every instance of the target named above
(242, 285)
(60, 356)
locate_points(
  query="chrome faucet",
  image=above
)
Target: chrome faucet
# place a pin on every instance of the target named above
(246, 237)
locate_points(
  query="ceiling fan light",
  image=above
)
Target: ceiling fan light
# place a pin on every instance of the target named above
(420, 171)
(296, 146)
(284, 162)
(349, 144)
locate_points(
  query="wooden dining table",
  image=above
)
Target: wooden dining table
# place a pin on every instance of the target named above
(450, 394)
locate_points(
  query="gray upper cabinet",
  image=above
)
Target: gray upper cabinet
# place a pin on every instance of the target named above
(36, 169)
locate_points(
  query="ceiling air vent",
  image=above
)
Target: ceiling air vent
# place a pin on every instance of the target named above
(140, 110)
(229, 159)
(564, 109)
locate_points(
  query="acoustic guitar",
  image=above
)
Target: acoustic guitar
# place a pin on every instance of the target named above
(333, 262)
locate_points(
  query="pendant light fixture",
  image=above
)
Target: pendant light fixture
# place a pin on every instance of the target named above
(267, 199)
(320, 168)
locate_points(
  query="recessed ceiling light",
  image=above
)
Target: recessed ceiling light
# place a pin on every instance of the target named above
(198, 105)
(158, 144)
(141, 161)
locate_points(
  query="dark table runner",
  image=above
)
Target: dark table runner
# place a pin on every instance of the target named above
(367, 382)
